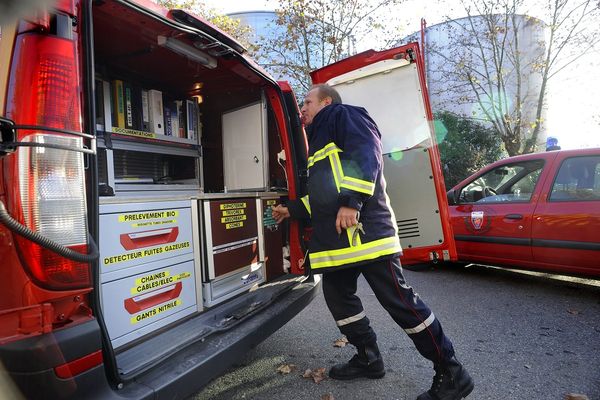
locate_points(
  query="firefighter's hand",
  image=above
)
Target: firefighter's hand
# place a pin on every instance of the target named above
(346, 218)
(280, 213)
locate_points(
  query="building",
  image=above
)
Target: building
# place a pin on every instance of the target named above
(486, 76)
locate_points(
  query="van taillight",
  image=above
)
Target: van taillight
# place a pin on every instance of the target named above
(47, 185)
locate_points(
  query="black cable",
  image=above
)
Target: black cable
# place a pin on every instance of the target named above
(43, 241)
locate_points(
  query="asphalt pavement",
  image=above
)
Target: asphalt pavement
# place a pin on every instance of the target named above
(520, 336)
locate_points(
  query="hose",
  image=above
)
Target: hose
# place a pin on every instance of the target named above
(43, 241)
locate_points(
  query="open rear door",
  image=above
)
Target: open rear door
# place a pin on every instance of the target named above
(390, 85)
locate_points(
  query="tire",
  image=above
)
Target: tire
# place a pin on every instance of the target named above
(421, 267)
(455, 264)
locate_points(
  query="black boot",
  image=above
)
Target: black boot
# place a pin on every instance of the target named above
(451, 382)
(367, 363)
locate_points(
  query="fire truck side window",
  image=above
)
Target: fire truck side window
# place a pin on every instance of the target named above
(577, 180)
(506, 183)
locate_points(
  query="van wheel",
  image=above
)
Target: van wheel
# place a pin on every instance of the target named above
(455, 264)
(420, 267)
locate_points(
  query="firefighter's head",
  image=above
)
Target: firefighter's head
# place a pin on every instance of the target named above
(317, 98)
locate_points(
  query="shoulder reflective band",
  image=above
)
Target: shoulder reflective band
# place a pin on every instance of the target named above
(306, 204)
(341, 181)
(323, 153)
(349, 255)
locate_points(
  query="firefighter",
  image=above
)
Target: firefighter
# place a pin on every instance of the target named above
(354, 233)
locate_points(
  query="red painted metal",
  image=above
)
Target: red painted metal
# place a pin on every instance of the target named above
(280, 116)
(76, 367)
(410, 52)
(134, 306)
(543, 219)
(27, 308)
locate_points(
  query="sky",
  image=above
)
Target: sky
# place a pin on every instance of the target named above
(574, 94)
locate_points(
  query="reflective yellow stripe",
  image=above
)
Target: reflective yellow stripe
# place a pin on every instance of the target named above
(323, 153)
(389, 205)
(341, 181)
(422, 326)
(306, 204)
(352, 239)
(336, 168)
(349, 320)
(349, 255)
(358, 185)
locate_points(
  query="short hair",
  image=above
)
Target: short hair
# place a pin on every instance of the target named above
(324, 90)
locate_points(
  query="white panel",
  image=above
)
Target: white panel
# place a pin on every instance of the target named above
(243, 144)
(413, 197)
(390, 91)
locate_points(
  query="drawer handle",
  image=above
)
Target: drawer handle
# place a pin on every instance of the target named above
(138, 240)
(134, 307)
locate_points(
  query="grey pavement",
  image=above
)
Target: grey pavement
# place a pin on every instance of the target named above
(520, 336)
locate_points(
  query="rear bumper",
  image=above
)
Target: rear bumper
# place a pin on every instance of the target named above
(30, 363)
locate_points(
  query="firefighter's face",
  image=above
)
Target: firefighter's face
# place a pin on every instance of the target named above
(312, 105)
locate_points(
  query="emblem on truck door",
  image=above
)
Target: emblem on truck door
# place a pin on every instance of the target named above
(479, 222)
(477, 219)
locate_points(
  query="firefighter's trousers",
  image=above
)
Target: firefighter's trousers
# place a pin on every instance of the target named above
(401, 302)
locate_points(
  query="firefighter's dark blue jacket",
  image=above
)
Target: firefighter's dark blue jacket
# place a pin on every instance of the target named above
(345, 168)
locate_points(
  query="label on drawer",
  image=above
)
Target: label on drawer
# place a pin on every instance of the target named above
(147, 298)
(156, 310)
(157, 280)
(147, 234)
(140, 254)
(149, 218)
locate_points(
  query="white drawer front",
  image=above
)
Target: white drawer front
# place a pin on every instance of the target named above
(147, 234)
(144, 302)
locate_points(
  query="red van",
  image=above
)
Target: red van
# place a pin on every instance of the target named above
(537, 211)
(140, 152)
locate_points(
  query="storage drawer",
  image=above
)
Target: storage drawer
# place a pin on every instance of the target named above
(139, 304)
(226, 287)
(231, 236)
(137, 233)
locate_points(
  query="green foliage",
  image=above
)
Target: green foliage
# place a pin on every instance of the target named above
(309, 34)
(499, 62)
(465, 146)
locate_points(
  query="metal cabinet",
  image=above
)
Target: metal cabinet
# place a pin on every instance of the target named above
(147, 272)
(234, 253)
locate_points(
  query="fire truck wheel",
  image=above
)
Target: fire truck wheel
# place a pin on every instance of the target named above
(420, 267)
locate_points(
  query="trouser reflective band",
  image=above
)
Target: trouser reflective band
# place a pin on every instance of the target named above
(421, 326)
(352, 319)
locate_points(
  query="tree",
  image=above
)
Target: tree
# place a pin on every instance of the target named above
(465, 146)
(232, 26)
(502, 61)
(311, 34)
